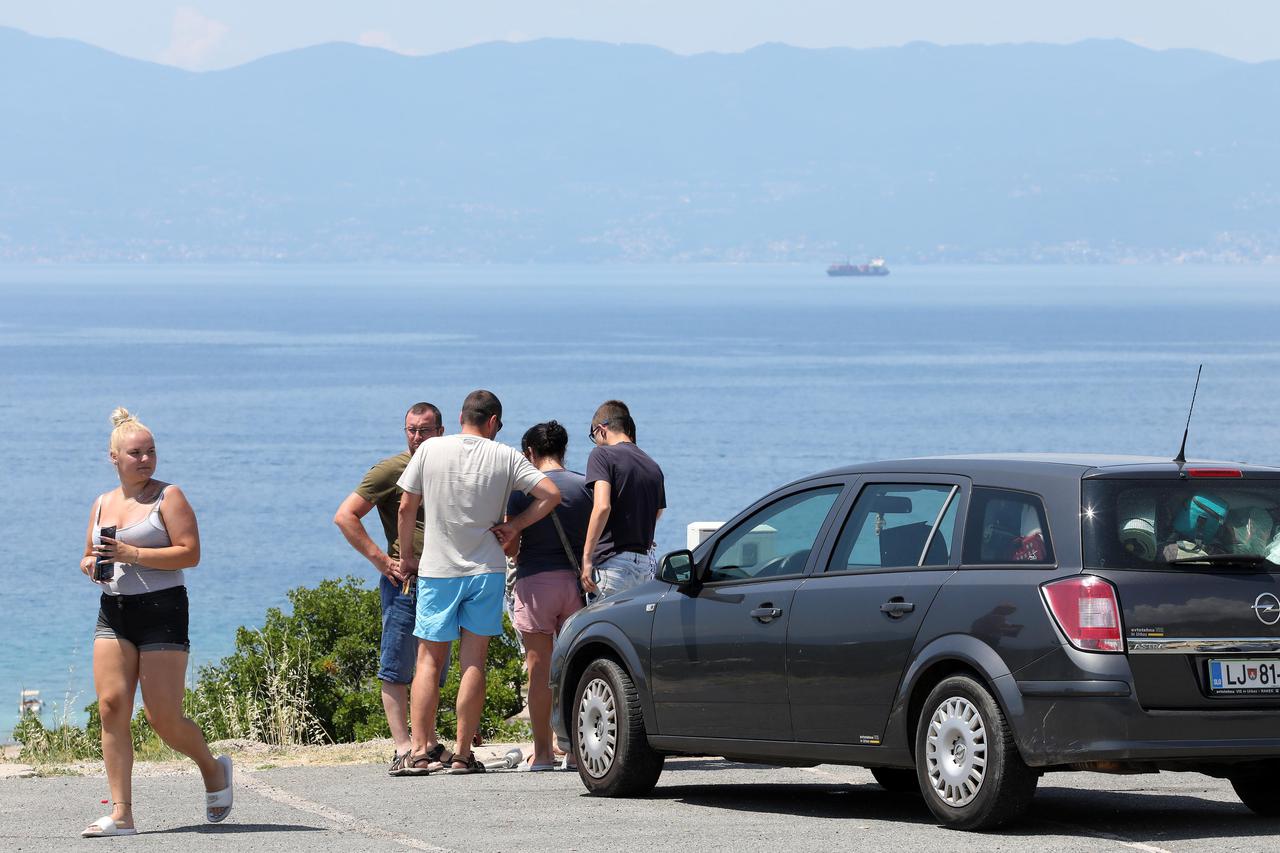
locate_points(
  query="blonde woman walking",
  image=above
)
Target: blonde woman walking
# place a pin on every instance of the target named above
(141, 635)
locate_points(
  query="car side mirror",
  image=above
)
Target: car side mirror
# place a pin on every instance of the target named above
(679, 568)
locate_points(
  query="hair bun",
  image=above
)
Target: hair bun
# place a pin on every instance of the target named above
(121, 416)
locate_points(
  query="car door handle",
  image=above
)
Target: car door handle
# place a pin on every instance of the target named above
(766, 613)
(896, 607)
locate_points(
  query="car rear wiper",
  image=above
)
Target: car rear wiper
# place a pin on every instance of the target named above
(1255, 560)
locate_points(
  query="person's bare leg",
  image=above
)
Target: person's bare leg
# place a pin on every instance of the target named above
(163, 677)
(471, 658)
(424, 698)
(115, 678)
(537, 661)
(395, 703)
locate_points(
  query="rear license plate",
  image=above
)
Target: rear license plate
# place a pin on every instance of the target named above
(1246, 677)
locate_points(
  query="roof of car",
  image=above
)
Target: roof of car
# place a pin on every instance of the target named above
(1066, 465)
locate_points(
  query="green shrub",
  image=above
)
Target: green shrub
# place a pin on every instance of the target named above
(310, 676)
(265, 691)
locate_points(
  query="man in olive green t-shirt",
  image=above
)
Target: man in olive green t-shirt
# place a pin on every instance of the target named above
(399, 651)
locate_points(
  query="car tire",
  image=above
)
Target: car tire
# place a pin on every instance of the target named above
(609, 740)
(896, 780)
(1259, 789)
(967, 763)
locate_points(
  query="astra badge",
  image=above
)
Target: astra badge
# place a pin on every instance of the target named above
(1267, 606)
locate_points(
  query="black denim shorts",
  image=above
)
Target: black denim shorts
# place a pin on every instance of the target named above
(152, 621)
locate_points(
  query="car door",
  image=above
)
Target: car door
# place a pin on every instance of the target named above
(855, 619)
(719, 648)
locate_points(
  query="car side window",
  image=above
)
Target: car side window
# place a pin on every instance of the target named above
(891, 524)
(774, 541)
(1006, 527)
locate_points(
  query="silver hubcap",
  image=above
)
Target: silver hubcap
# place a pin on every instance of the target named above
(597, 728)
(956, 751)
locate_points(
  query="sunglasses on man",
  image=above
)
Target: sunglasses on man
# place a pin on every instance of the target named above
(597, 428)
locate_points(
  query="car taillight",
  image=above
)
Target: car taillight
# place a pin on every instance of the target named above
(1087, 611)
(1214, 472)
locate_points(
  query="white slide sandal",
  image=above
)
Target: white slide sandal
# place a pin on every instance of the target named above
(219, 799)
(105, 827)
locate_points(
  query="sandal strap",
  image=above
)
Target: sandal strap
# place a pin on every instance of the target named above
(106, 826)
(218, 799)
(439, 756)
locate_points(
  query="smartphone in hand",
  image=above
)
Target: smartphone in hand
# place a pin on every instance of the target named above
(104, 568)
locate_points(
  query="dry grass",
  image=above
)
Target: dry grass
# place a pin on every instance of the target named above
(277, 710)
(254, 755)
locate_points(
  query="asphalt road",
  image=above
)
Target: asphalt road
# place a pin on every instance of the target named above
(701, 804)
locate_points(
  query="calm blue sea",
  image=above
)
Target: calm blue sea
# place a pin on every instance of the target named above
(272, 389)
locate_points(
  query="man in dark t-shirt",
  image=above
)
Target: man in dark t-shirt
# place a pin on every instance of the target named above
(629, 495)
(399, 650)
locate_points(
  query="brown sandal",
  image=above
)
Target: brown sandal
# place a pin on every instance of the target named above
(440, 757)
(470, 764)
(425, 763)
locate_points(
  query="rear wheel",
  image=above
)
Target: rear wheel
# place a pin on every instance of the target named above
(966, 761)
(609, 740)
(896, 780)
(1259, 789)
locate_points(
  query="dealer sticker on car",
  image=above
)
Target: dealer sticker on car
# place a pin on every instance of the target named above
(1244, 676)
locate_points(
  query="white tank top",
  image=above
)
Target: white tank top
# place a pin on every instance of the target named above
(147, 532)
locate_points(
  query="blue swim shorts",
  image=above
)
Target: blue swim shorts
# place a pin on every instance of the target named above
(473, 602)
(399, 652)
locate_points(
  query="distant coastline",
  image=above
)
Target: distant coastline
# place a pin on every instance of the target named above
(562, 151)
(252, 260)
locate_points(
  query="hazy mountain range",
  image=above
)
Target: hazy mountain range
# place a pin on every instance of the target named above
(576, 151)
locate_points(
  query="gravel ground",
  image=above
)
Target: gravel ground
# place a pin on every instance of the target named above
(704, 804)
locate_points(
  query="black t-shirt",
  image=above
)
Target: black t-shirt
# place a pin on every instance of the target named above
(540, 547)
(636, 493)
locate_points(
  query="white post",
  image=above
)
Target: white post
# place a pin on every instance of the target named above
(699, 531)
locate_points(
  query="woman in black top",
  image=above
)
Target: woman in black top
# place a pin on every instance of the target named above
(546, 589)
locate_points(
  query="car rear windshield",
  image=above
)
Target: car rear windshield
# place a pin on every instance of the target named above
(1148, 524)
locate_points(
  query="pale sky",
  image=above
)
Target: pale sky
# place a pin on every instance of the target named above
(205, 34)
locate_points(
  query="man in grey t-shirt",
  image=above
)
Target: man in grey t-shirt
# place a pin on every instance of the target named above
(462, 482)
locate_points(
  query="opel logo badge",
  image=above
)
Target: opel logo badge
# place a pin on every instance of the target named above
(1267, 606)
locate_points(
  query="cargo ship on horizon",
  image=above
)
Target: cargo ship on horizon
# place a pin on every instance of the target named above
(876, 267)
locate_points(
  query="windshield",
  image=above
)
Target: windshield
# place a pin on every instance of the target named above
(1145, 524)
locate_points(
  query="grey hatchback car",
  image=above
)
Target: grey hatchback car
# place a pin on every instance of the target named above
(960, 626)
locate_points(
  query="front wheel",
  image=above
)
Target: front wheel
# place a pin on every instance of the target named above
(1259, 789)
(966, 761)
(609, 740)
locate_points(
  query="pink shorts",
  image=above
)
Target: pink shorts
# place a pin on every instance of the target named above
(543, 601)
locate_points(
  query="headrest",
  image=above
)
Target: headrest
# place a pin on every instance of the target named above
(1030, 521)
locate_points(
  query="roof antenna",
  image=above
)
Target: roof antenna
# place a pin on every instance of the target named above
(1181, 458)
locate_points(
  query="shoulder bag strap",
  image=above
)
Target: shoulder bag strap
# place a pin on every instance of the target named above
(564, 541)
(568, 552)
